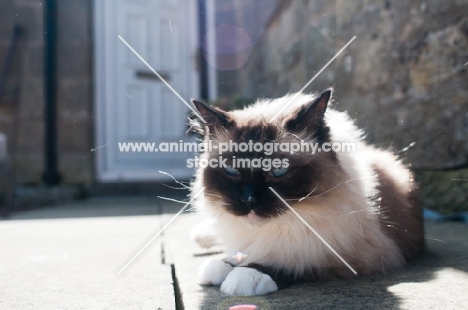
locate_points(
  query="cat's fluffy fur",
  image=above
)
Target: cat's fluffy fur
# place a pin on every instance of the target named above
(363, 203)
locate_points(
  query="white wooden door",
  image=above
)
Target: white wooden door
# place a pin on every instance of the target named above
(132, 104)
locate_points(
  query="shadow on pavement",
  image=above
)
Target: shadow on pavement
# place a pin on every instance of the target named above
(447, 252)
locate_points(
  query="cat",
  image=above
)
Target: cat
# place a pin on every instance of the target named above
(363, 203)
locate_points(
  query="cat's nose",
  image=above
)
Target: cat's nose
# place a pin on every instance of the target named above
(249, 195)
(249, 200)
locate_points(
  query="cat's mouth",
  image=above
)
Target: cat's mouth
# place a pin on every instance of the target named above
(257, 217)
(253, 218)
(251, 213)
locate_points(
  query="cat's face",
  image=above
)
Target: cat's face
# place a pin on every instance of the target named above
(245, 189)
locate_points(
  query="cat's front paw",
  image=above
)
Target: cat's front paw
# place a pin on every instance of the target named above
(213, 272)
(245, 281)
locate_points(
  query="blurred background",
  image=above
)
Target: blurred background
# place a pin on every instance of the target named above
(71, 90)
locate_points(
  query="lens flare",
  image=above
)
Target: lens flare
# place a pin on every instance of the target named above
(239, 256)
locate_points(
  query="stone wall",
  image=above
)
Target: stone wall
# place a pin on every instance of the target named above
(27, 75)
(404, 78)
(74, 97)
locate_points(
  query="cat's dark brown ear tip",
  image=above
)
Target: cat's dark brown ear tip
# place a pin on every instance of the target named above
(198, 104)
(326, 94)
(211, 115)
(201, 109)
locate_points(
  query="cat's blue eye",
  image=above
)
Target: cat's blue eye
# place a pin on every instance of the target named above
(279, 172)
(231, 171)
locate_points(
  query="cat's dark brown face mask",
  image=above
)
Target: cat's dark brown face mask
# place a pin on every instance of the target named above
(242, 179)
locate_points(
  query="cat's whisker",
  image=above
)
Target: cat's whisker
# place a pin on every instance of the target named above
(334, 187)
(290, 222)
(280, 210)
(329, 217)
(384, 219)
(308, 194)
(220, 204)
(172, 199)
(173, 187)
(282, 218)
(214, 195)
(175, 180)
(303, 198)
(219, 216)
(280, 136)
(292, 134)
(390, 224)
(360, 225)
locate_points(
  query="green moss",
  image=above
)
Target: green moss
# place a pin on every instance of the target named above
(229, 104)
(445, 191)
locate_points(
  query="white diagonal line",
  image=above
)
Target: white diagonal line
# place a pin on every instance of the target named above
(308, 83)
(162, 79)
(313, 230)
(159, 232)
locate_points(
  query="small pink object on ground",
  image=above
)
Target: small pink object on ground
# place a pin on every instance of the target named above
(243, 307)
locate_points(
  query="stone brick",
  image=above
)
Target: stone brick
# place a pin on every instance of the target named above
(30, 136)
(29, 168)
(32, 99)
(75, 93)
(74, 21)
(8, 18)
(73, 111)
(30, 19)
(28, 3)
(74, 61)
(76, 168)
(35, 61)
(74, 136)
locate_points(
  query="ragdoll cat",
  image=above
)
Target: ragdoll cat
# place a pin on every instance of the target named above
(362, 202)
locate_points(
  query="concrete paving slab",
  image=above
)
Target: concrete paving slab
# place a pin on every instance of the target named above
(438, 280)
(67, 257)
(96, 207)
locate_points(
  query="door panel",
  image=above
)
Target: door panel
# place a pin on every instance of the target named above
(138, 113)
(132, 104)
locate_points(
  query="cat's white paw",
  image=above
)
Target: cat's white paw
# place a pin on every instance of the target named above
(245, 281)
(213, 272)
(204, 234)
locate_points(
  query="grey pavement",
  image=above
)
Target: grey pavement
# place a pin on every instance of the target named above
(68, 256)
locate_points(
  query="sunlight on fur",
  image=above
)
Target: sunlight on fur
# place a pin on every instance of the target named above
(363, 203)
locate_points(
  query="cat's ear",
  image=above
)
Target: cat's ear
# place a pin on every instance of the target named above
(212, 115)
(310, 116)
